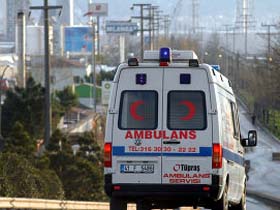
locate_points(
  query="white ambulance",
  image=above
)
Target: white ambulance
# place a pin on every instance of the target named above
(173, 137)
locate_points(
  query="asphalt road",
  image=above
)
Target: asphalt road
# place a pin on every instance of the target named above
(253, 204)
(264, 175)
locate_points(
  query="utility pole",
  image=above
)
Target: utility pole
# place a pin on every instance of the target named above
(157, 24)
(166, 23)
(233, 39)
(47, 107)
(154, 9)
(227, 29)
(21, 42)
(269, 26)
(150, 25)
(151, 10)
(98, 35)
(1, 78)
(93, 65)
(245, 19)
(141, 17)
(246, 35)
(195, 25)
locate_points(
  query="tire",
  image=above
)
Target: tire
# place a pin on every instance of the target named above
(223, 203)
(117, 204)
(242, 204)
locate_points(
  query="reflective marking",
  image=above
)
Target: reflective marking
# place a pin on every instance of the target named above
(120, 151)
(203, 152)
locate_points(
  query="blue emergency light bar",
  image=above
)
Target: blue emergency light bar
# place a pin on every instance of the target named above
(216, 67)
(165, 54)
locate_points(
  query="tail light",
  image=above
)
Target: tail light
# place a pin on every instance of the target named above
(217, 156)
(108, 155)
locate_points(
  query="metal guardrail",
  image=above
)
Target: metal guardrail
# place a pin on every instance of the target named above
(44, 204)
(27, 203)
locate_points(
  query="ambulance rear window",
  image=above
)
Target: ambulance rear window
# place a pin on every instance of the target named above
(138, 110)
(186, 110)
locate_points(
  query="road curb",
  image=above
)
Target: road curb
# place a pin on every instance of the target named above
(264, 197)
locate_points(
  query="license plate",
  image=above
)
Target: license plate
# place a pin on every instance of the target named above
(137, 168)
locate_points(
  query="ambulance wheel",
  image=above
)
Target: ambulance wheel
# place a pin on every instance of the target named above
(117, 204)
(242, 204)
(222, 204)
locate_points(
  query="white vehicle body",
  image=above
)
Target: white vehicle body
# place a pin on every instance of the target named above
(172, 137)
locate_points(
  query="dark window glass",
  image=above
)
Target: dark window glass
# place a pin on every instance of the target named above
(235, 120)
(186, 110)
(138, 110)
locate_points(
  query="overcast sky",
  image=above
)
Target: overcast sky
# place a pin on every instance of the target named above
(212, 13)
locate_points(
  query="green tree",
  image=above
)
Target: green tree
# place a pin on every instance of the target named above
(19, 178)
(26, 107)
(20, 142)
(213, 52)
(67, 98)
(104, 75)
(82, 178)
(89, 149)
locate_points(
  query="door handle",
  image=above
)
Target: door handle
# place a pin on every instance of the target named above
(172, 142)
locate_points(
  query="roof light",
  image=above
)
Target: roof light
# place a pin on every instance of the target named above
(216, 67)
(141, 79)
(176, 55)
(165, 54)
(193, 63)
(133, 62)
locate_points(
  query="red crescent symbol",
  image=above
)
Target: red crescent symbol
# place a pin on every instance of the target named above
(133, 110)
(191, 108)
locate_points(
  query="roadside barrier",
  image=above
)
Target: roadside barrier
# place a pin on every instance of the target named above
(45, 204)
(27, 203)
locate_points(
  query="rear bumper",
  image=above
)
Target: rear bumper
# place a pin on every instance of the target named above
(189, 192)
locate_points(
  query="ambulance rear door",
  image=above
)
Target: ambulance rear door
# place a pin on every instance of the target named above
(187, 145)
(136, 143)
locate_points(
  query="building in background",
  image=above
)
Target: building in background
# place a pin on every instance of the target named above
(8, 11)
(67, 14)
(3, 19)
(66, 18)
(35, 40)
